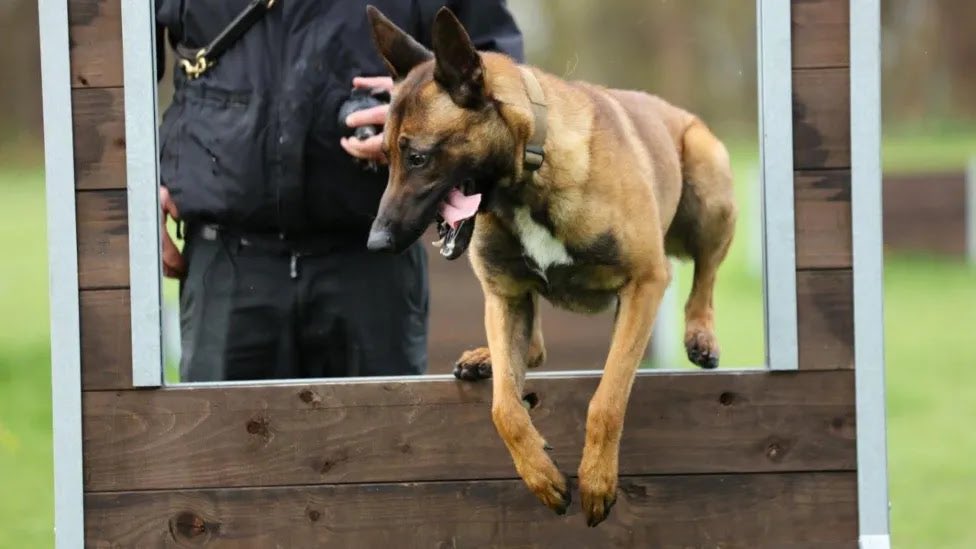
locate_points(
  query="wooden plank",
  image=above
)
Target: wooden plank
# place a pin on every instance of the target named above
(825, 314)
(106, 345)
(823, 219)
(95, 35)
(821, 33)
(925, 213)
(821, 119)
(729, 511)
(103, 239)
(99, 126)
(441, 430)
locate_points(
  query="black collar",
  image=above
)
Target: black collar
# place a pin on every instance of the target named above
(535, 147)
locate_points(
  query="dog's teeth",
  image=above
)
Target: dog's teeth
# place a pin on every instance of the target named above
(438, 243)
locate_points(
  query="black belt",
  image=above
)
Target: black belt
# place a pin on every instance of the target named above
(278, 244)
(197, 62)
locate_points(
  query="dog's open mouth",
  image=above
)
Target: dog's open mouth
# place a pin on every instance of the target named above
(455, 221)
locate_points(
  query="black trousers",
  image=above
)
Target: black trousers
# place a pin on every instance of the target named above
(251, 313)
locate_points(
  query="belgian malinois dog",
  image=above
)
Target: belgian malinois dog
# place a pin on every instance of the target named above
(566, 190)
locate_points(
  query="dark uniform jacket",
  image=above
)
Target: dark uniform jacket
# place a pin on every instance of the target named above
(253, 144)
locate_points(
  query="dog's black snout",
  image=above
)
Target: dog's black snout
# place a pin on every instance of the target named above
(380, 240)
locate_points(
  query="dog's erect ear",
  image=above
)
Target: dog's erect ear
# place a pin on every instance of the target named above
(458, 68)
(399, 50)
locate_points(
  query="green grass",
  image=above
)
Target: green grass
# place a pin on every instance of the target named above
(921, 149)
(26, 512)
(930, 319)
(930, 313)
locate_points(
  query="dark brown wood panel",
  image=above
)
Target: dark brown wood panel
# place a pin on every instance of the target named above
(95, 34)
(441, 430)
(106, 344)
(825, 315)
(820, 33)
(99, 134)
(103, 239)
(823, 219)
(821, 119)
(926, 213)
(729, 511)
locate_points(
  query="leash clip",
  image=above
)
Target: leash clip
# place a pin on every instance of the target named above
(198, 66)
(205, 58)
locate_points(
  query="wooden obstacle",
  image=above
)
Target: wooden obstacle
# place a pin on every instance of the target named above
(931, 213)
(787, 455)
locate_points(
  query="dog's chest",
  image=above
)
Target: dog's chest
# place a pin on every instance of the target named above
(538, 244)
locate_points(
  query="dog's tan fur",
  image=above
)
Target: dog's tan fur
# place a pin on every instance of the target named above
(628, 179)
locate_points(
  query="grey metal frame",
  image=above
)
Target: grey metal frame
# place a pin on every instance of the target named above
(779, 254)
(776, 164)
(69, 516)
(142, 183)
(868, 254)
(774, 29)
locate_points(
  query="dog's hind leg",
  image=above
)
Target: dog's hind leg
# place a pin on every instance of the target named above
(707, 215)
(509, 322)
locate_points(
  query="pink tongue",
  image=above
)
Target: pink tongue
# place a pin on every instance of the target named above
(458, 207)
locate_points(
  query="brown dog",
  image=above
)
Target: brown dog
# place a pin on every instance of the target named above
(584, 192)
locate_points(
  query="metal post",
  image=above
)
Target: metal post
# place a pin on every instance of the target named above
(776, 164)
(664, 338)
(69, 512)
(866, 212)
(142, 182)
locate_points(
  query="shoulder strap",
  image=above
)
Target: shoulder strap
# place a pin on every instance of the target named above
(195, 63)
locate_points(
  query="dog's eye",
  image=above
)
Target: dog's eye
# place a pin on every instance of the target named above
(417, 160)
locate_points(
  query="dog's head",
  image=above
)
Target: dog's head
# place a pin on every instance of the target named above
(445, 138)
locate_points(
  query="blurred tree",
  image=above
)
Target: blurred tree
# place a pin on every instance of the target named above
(699, 54)
(20, 89)
(929, 56)
(955, 20)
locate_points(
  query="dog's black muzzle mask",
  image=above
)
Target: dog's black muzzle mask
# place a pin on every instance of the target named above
(395, 233)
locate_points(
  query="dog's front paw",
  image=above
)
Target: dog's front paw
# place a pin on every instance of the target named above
(473, 365)
(545, 480)
(598, 488)
(702, 348)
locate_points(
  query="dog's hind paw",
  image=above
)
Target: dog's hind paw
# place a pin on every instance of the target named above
(702, 349)
(473, 365)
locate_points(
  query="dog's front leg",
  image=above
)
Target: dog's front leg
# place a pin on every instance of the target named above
(509, 321)
(638, 306)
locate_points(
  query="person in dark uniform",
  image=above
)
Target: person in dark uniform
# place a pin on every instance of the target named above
(275, 204)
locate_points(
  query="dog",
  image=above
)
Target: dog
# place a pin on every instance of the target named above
(566, 191)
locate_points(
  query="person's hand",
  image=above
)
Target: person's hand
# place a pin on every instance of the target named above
(174, 266)
(372, 148)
